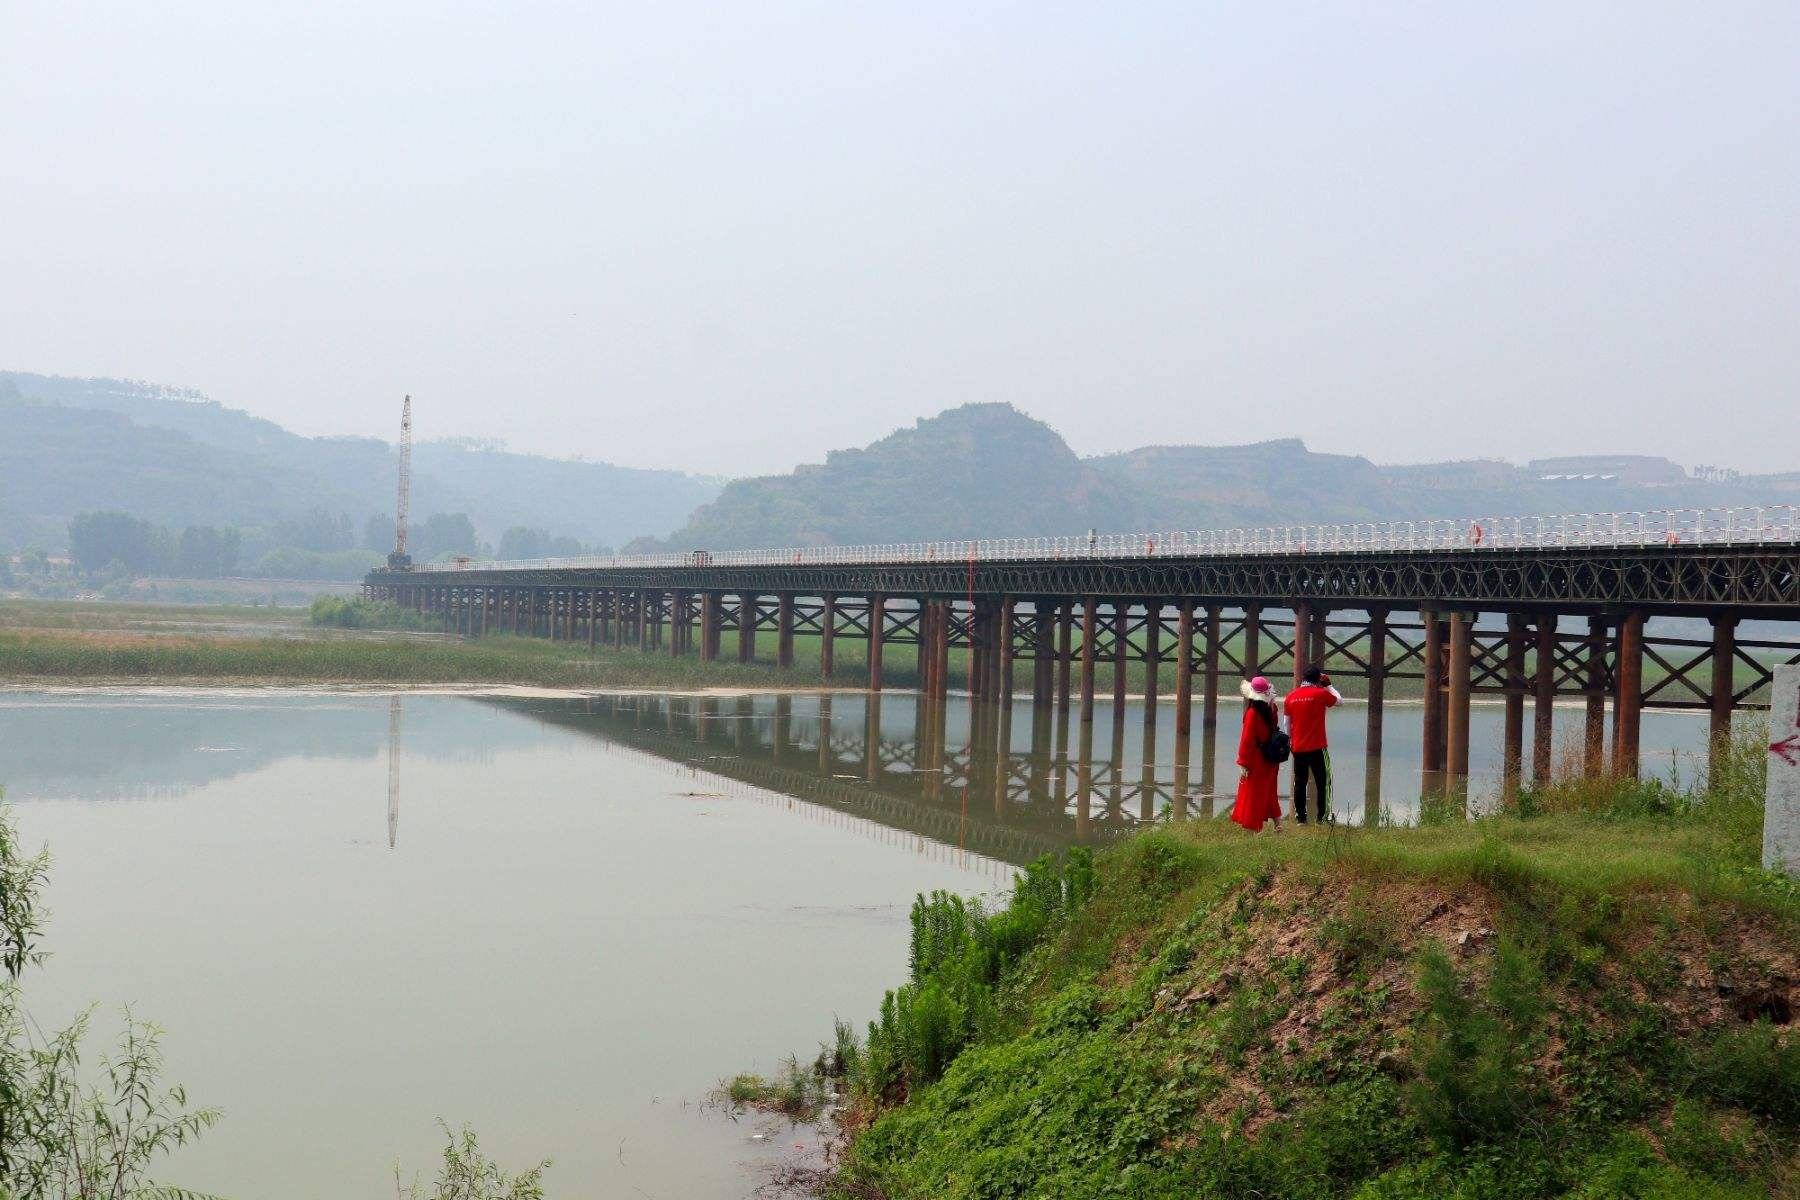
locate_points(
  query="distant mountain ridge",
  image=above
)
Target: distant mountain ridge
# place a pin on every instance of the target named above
(989, 470)
(175, 458)
(980, 470)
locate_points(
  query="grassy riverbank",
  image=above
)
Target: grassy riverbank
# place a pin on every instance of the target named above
(1593, 1002)
(89, 641)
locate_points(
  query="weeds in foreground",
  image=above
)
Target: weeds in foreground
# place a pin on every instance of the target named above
(468, 1174)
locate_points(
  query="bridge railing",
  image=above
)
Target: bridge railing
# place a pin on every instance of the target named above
(1655, 527)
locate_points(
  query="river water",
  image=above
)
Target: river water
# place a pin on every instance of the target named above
(562, 921)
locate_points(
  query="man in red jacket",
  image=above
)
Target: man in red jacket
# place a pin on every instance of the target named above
(1305, 707)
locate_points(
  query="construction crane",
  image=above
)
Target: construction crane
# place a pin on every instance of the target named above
(399, 560)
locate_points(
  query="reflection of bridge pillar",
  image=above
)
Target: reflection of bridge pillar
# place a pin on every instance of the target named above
(1629, 703)
(784, 725)
(827, 636)
(877, 617)
(1724, 687)
(1065, 640)
(872, 737)
(1432, 742)
(1178, 801)
(1594, 732)
(1512, 751)
(1456, 713)
(784, 630)
(1543, 709)
(746, 629)
(827, 761)
(1147, 779)
(1209, 767)
(1002, 759)
(1084, 769)
(1088, 606)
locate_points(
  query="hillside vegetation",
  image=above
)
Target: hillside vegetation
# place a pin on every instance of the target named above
(1593, 1003)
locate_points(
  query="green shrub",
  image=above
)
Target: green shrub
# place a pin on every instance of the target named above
(1756, 1068)
(357, 612)
(1474, 1083)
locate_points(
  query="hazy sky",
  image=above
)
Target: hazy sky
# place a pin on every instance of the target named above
(730, 238)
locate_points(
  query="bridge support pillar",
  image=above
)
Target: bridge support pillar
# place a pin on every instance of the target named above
(1629, 704)
(1152, 665)
(1512, 752)
(1543, 708)
(827, 637)
(1065, 651)
(1594, 733)
(1377, 689)
(1456, 723)
(1252, 640)
(1432, 756)
(1209, 669)
(1121, 648)
(709, 625)
(923, 667)
(1724, 686)
(877, 618)
(746, 629)
(1007, 605)
(946, 622)
(1089, 622)
(1303, 637)
(1043, 661)
(784, 630)
(642, 604)
(1184, 672)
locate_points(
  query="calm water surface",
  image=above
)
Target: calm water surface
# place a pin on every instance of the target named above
(562, 921)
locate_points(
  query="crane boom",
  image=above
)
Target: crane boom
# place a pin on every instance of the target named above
(399, 559)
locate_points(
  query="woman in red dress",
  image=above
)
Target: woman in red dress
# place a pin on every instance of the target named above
(1256, 798)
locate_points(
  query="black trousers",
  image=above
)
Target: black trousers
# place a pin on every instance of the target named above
(1316, 766)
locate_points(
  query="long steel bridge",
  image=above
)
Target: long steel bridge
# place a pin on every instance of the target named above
(1528, 609)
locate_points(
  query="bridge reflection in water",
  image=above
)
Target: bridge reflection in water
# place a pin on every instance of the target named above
(1010, 782)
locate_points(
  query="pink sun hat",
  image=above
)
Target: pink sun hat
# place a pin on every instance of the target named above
(1258, 688)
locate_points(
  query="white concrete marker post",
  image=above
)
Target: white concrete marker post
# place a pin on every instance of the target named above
(1781, 818)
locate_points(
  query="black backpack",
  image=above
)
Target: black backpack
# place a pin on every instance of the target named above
(1278, 746)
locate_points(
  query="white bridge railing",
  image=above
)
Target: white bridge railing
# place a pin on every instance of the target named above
(1662, 527)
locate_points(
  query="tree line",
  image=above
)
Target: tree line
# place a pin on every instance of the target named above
(318, 544)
